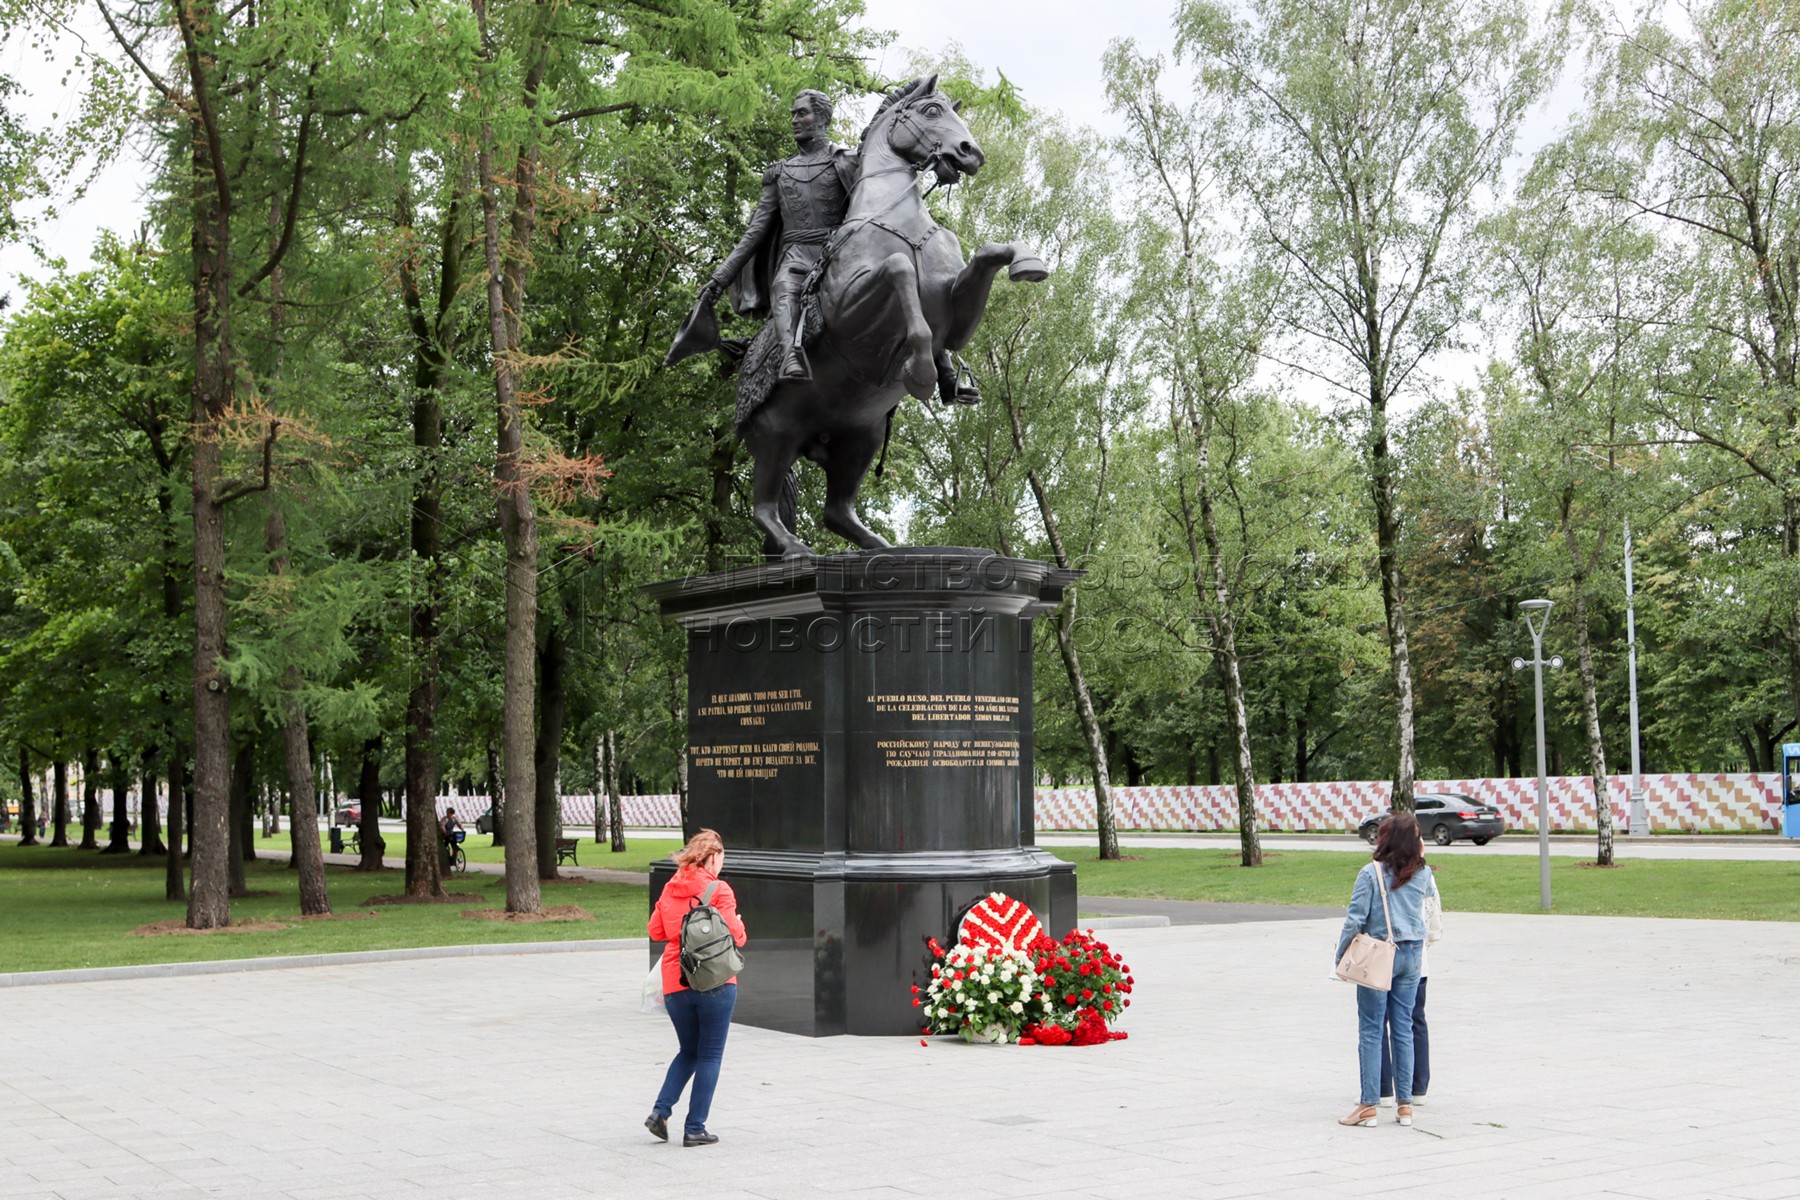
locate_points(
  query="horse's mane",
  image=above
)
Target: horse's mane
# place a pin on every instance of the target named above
(921, 86)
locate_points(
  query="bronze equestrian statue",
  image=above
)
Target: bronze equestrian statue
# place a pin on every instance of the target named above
(861, 315)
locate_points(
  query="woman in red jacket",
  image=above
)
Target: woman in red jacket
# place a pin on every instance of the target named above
(701, 1019)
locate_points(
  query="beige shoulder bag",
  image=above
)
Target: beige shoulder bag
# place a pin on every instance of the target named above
(1368, 962)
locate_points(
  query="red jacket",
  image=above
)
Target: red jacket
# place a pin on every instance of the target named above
(672, 906)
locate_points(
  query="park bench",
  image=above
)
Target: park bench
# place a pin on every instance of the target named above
(565, 851)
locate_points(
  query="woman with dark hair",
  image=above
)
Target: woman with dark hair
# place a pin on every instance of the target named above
(701, 1019)
(1389, 901)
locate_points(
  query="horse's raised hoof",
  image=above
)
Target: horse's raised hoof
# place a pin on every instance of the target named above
(1028, 270)
(919, 384)
(799, 554)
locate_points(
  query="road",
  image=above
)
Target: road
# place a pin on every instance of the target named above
(1720, 848)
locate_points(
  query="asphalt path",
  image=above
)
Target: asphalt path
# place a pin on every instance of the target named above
(1718, 848)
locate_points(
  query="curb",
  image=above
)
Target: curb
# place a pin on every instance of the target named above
(227, 966)
(1122, 923)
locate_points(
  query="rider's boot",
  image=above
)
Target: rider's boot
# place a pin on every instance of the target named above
(789, 314)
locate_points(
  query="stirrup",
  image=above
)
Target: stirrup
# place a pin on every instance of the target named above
(794, 366)
(962, 389)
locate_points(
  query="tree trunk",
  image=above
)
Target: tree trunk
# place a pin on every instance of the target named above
(118, 834)
(518, 515)
(209, 900)
(496, 789)
(1300, 749)
(600, 790)
(368, 797)
(243, 779)
(1393, 597)
(296, 746)
(433, 341)
(59, 811)
(1224, 628)
(1064, 625)
(27, 801)
(720, 466)
(615, 804)
(90, 799)
(173, 884)
(681, 788)
(1590, 708)
(552, 711)
(150, 839)
(303, 832)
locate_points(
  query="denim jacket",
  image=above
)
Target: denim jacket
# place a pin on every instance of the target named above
(1406, 904)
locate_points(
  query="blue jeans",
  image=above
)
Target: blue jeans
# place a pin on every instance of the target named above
(1375, 1012)
(1421, 1073)
(701, 1020)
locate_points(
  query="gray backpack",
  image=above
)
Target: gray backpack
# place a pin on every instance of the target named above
(709, 954)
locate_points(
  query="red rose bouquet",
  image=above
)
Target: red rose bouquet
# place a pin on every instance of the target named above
(1088, 986)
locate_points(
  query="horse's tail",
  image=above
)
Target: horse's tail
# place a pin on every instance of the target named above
(788, 509)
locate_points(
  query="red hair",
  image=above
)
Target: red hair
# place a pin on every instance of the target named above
(700, 847)
(1399, 848)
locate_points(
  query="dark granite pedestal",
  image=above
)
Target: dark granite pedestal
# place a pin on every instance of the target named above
(859, 734)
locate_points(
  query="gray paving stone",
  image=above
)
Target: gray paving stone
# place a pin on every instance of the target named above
(1567, 1062)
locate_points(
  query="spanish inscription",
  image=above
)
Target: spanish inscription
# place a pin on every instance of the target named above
(754, 708)
(947, 707)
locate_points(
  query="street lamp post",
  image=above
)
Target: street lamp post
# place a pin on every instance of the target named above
(1640, 818)
(1537, 615)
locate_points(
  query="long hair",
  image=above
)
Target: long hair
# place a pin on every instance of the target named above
(700, 847)
(1399, 848)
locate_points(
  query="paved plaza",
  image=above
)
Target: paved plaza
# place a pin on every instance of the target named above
(1573, 1057)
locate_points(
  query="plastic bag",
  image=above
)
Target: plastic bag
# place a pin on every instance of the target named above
(653, 992)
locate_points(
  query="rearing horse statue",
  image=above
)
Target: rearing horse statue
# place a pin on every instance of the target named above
(892, 291)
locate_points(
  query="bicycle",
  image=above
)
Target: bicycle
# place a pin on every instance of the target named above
(453, 852)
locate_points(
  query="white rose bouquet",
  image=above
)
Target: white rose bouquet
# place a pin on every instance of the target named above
(982, 993)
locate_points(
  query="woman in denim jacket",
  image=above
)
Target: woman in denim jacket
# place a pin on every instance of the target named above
(1400, 861)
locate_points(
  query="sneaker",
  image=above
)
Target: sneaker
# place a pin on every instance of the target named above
(1419, 1099)
(1404, 1114)
(1362, 1114)
(1387, 1102)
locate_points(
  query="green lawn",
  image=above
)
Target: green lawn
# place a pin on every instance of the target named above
(1747, 891)
(637, 856)
(69, 908)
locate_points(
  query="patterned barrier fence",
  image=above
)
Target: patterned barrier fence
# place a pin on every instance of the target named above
(1676, 804)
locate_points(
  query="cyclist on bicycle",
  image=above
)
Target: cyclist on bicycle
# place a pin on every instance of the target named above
(452, 829)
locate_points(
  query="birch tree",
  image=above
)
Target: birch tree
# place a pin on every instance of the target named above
(1201, 327)
(1696, 128)
(1368, 132)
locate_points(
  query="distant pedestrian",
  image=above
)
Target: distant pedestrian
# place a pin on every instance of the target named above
(1391, 888)
(1421, 1033)
(701, 1019)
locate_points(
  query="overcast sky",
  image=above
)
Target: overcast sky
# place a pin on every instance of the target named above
(1049, 48)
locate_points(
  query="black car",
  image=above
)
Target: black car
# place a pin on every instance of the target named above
(1445, 818)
